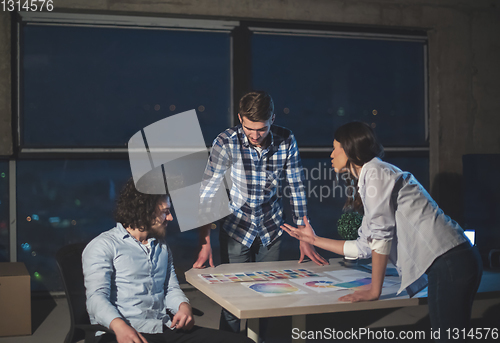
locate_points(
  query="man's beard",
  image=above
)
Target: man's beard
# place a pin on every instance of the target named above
(158, 232)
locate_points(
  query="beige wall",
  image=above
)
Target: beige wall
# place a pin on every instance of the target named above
(464, 55)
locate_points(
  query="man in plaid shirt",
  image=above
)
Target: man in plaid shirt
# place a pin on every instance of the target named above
(259, 155)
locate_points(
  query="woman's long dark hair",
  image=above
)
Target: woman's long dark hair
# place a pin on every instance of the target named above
(360, 144)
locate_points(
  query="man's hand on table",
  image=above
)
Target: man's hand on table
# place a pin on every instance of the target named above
(308, 250)
(204, 255)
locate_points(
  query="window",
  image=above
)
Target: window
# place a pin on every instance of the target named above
(62, 202)
(321, 82)
(95, 86)
(69, 201)
(88, 83)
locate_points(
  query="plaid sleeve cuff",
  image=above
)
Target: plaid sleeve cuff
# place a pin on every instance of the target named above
(299, 221)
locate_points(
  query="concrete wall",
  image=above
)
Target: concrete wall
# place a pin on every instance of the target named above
(6, 143)
(464, 68)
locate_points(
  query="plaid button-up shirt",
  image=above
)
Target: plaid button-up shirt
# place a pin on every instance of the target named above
(257, 183)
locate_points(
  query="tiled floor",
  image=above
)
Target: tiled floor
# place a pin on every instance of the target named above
(51, 319)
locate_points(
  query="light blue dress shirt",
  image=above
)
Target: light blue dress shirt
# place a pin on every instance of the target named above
(124, 279)
(400, 212)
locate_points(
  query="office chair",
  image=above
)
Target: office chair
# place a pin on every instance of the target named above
(69, 261)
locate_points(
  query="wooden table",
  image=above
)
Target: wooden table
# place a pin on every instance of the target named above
(246, 304)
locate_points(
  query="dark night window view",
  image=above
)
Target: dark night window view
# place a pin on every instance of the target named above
(92, 88)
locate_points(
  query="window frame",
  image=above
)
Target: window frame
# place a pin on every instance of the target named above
(104, 21)
(335, 31)
(240, 62)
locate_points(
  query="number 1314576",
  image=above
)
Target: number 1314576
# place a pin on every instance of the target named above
(27, 5)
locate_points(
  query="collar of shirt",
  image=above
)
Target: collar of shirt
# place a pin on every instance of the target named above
(126, 234)
(364, 169)
(246, 143)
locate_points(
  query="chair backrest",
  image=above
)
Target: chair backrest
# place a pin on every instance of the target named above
(69, 261)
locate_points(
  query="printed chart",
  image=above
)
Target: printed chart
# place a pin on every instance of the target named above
(389, 271)
(347, 275)
(318, 284)
(270, 289)
(270, 275)
(325, 284)
(356, 285)
(362, 284)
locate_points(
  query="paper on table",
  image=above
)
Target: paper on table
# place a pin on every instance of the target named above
(389, 271)
(361, 284)
(318, 284)
(346, 275)
(273, 288)
(270, 275)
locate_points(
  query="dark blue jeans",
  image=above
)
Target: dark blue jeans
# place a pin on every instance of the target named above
(454, 278)
(232, 251)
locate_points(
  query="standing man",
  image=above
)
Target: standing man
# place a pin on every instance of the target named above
(130, 279)
(259, 155)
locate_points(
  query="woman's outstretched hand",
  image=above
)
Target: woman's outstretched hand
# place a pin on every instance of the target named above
(304, 234)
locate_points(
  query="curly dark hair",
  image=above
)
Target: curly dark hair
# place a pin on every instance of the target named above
(360, 144)
(135, 209)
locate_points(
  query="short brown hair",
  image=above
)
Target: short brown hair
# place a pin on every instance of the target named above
(256, 106)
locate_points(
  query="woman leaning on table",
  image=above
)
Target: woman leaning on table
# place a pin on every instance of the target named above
(401, 223)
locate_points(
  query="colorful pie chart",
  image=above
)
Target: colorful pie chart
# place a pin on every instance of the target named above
(274, 288)
(321, 284)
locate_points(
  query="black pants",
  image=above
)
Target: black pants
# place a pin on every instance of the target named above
(454, 278)
(232, 251)
(195, 335)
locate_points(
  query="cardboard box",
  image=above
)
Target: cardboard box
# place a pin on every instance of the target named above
(15, 299)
